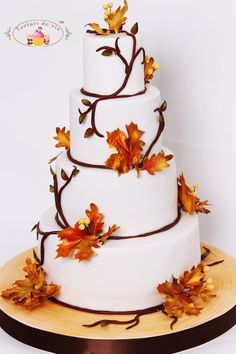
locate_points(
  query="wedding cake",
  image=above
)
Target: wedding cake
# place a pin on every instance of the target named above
(115, 171)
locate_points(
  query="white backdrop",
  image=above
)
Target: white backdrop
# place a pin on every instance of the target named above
(195, 45)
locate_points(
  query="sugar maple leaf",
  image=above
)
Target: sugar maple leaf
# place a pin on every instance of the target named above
(129, 149)
(79, 241)
(96, 224)
(110, 231)
(33, 290)
(76, 243)
(115, 20)
(149, 68)
(63, 138)
(188, 199)
(98, 29)
(184, 295)
(156, 163)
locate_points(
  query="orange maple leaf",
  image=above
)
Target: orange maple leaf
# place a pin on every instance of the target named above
(33, 290)
(184, 295)
(115, 19)
(63, 138)
(149, 68)
(76, 243)
(156, 163)
(96, 224)
(188, 199)
(79, 241)
(129, 149)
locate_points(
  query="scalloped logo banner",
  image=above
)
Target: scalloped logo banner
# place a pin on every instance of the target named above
(39, 33)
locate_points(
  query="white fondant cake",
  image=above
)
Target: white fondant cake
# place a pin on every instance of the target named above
(104, 75)
(138, 204)
(110, 115)
(124, 274)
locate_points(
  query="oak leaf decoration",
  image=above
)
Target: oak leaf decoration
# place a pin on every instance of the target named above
(115, 19)
(129, 149)
(98, 29)
(188, 200)
(156, 163)
(79, 242)
(149, 68)
(187, 294)
(33, 290)
(63, 138)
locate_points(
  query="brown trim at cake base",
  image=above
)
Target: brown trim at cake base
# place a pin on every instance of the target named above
(164, 344)
(106, 312)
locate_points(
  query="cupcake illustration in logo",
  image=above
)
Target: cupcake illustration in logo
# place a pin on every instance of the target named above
(38, 33)
(38, 38)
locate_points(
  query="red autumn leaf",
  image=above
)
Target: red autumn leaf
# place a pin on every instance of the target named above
(129, 149)
(33, 290)
(156, 163)
(188, 199)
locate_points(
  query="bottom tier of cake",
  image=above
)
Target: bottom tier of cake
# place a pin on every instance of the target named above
(124, 274)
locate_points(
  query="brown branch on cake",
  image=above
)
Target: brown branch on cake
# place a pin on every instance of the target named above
(161, 127)
(206, 253)
(132, 323)
(128, 69)
(44, 235)
(107, 51)
(58, 195)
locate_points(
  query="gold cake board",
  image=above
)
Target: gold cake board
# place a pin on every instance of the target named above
(59, 329)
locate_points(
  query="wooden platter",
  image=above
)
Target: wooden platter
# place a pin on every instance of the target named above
(59, 329)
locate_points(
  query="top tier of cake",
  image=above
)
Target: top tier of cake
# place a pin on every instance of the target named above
(105, 74)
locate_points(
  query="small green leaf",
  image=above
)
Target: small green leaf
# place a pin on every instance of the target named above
(64, 175)
(75, 172)
(82, 117)
(51, 188)
(107, 53)
(34, 227)
(86, 102)
(134, 29)
(89, 132)
(163, 106)
(52, 171)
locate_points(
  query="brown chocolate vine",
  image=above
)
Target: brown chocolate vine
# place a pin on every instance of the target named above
(128, 69)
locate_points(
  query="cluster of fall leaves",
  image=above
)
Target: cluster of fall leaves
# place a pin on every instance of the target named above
(115, 19)
(79, 241)
(129, 152)
(129, 155)
(187, 294)
(33, 290)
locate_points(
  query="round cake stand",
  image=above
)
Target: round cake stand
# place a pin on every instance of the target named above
(59, 329)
